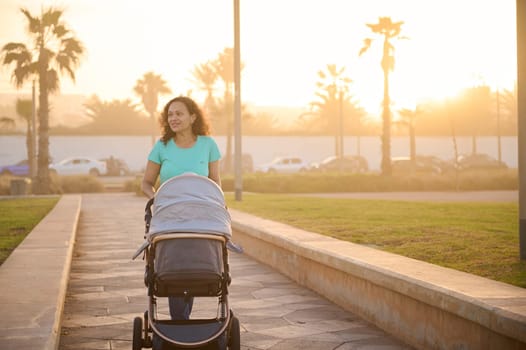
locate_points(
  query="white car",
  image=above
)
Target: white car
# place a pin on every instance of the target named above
(284, 165)
(79, 166)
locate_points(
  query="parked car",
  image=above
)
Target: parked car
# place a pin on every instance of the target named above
(116, 167)
(284, 165)
(479, 161)
(79, 166)
(353, 164)
(422, 164)
(19, 169)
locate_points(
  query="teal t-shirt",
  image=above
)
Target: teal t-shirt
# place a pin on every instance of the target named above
(175, 161)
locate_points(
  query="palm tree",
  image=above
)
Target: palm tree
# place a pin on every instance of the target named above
(24, 108)
(333, 91)
(479, 111)
(388, 30)
(205, 78)
(509, 107)
(148, 89)
(55, 50)
(224, 67)
(115, 117)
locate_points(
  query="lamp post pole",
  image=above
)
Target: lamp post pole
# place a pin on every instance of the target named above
(521, 115)
(238, 181)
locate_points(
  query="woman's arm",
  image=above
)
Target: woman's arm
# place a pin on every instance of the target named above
(150, 177)
(213, 172)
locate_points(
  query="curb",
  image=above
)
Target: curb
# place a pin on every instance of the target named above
(35, 280)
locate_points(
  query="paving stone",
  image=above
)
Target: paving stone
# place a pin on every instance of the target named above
(106, 292)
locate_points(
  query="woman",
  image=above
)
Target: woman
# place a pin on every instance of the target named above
(184, 147)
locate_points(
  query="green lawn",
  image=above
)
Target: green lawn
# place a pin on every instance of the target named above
(19, 216)
(479, 238)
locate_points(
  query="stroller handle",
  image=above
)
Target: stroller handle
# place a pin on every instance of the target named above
(148, 214)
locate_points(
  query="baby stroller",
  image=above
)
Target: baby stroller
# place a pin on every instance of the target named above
(187, 235)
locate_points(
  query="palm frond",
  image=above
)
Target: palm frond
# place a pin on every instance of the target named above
(14, 47)
(60, 30)
(51, 17)
(21, 58)
(53, 81)
(366, 45)
(34, 24)
(20, 75)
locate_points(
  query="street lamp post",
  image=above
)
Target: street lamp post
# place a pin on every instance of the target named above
(238, 181)
(521, 108)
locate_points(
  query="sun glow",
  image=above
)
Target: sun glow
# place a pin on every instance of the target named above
(451, 45)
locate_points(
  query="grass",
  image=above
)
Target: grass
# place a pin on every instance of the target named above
(19, 216)
(478, 238)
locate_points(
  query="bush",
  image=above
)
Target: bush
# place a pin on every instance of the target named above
(60, 184)
(316, 182)
(80, 184)
(5, 184)
(312, 183)
(133, 186)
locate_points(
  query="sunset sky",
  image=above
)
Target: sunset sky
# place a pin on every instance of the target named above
(451, 44)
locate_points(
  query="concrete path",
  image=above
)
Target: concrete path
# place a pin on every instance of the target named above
(106, 292)
(34, 278)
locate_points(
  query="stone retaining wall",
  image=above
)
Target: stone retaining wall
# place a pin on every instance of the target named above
(424, 305)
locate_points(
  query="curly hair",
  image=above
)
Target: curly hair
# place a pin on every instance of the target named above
(199, 127)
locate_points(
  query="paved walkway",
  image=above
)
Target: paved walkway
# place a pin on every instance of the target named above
(106, 292)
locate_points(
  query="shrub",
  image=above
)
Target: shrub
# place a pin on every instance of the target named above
(316, 182)
(80, 184)
(5, 185)
(333, 182)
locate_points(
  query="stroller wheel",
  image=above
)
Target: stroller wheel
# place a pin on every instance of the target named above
(137, 334)
(234, 341)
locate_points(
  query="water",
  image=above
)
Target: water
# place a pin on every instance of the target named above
(134, 149)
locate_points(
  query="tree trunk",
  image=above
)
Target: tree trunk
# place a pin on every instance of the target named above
(412, 144)
(386, 130)
(152, 118)
(499, 145)
(340, 127)
(29, 147)
(229, 121)
(386, 114)
(455, 146)
(43, 185)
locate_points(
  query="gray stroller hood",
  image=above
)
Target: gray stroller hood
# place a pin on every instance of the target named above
(190, 203)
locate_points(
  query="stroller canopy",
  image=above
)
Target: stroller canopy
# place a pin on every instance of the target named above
(190, 203)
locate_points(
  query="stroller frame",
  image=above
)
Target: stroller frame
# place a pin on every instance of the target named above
(186, 274)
